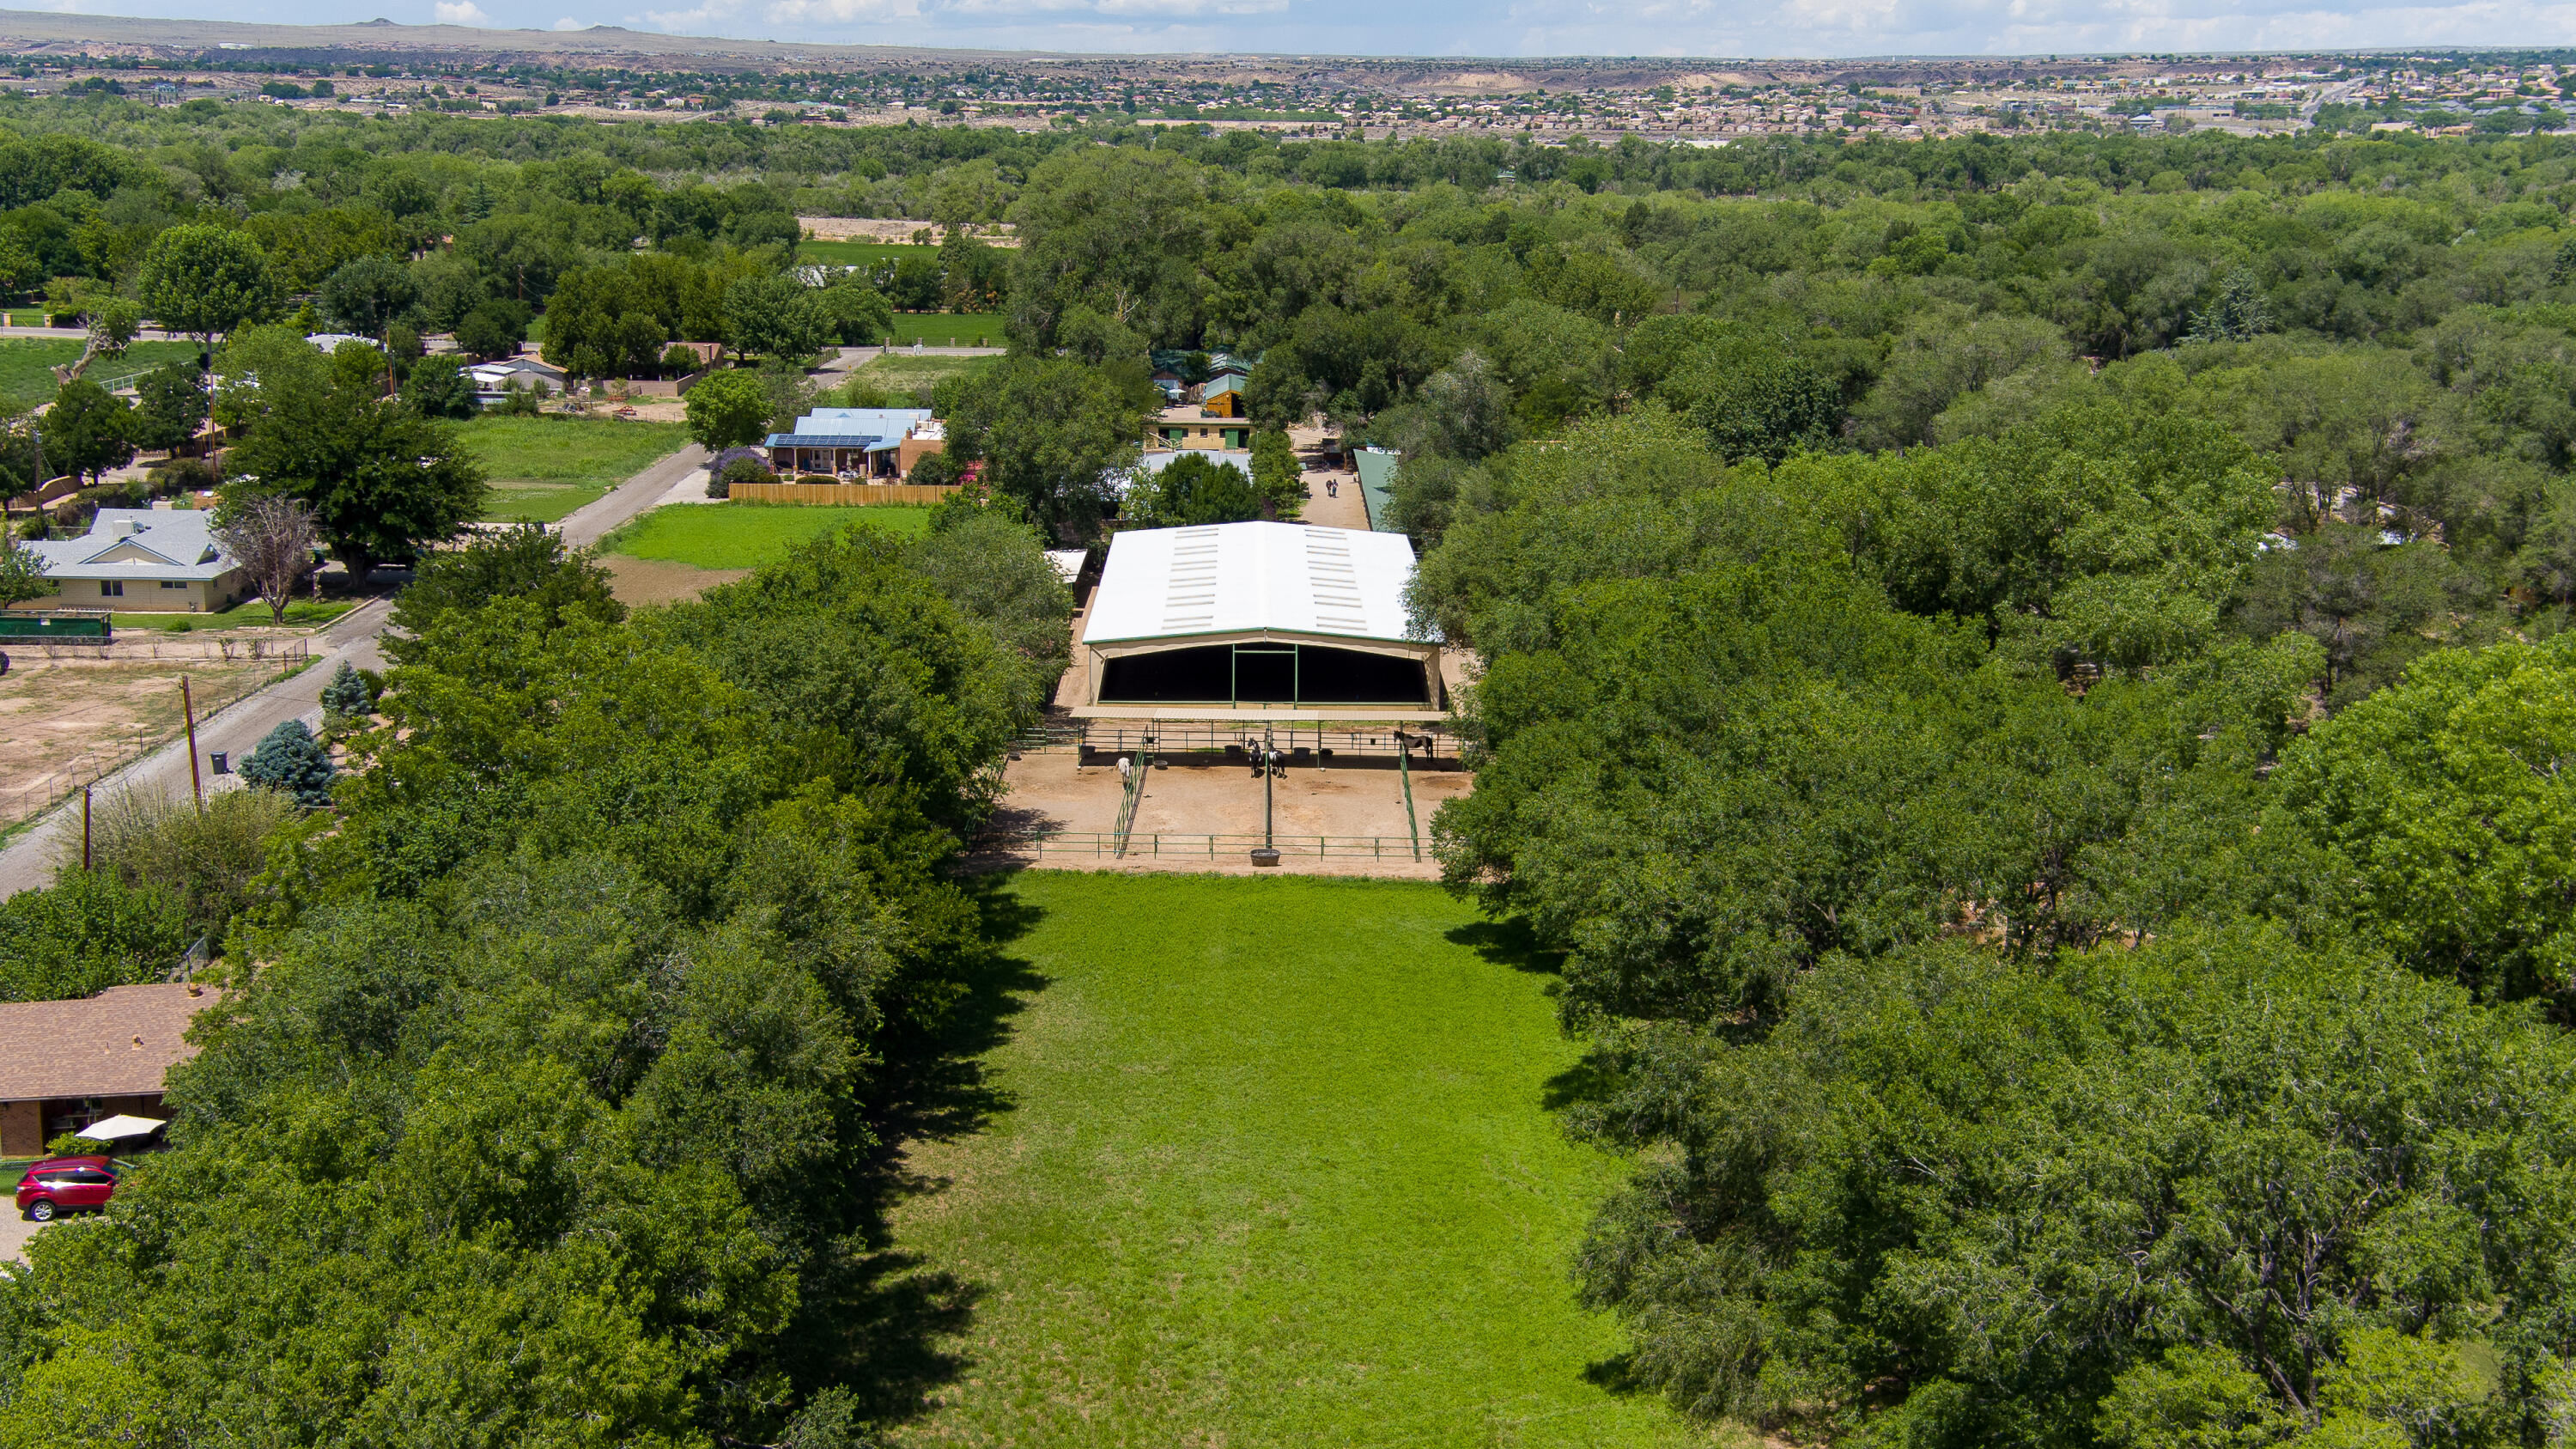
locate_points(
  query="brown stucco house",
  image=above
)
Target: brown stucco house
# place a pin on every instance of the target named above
(66, 1064)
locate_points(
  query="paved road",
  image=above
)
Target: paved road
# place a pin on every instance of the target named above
(28, 862)
(595, 521)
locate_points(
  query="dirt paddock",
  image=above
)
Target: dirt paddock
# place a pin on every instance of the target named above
(1355, 804)
(65, 722)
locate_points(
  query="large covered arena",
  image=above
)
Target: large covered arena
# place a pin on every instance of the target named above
(1257, 622)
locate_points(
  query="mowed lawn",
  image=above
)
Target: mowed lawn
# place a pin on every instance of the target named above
(1276, 1168)
(27, 365)
(541, 468)
(747, 535)
(946, 329)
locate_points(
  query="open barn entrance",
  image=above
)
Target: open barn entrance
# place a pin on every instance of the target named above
(1265, 674)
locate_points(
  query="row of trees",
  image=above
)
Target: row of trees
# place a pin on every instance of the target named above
(2042, 1012)
(578, 1023)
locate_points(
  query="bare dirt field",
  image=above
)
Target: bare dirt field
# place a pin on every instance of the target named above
(655, 581)
(63, 722)
(1357, 804)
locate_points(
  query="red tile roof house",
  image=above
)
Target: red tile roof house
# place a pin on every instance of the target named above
(66, 1064)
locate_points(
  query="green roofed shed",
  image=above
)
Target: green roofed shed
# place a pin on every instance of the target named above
(1377, 485)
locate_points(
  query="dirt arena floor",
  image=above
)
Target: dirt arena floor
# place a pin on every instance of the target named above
(1356, 803)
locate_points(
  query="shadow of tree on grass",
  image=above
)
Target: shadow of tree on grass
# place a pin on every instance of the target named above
(874, 1318)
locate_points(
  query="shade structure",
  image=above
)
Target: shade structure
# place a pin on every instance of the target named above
(1257, 622)
(117, 1129)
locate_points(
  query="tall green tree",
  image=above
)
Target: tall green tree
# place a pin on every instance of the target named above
(1049, 432)
(776, 316)
(730, 409)
(368, 295)
(382, 480)
(1190, 490)
(88, 430)
(171, 406)
(205, 280)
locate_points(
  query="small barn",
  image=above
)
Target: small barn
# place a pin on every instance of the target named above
(1256, 621)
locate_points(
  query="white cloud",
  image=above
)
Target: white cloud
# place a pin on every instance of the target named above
(841, 12)
(460, 12)
(568, 23)
(700, 20)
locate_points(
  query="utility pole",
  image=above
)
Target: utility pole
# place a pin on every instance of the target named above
(188, 709)
(84, 827)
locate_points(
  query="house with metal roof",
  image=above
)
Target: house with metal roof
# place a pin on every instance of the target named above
(856, 442)
(496, 380)
(142, 560)
(1256, 621)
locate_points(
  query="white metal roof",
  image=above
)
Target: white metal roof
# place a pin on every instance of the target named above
(139, 543)
(1235, 577)
(873, 422)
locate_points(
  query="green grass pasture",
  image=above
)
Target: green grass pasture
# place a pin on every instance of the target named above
(747, 535)
(1273, 1164)
(27, 365)
(967, 329)
(541, 469)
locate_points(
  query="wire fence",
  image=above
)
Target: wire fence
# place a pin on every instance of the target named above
(1200, 847)
(1301, 744)
(97, 760)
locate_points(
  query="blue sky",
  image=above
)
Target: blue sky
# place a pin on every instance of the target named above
(1463, 27)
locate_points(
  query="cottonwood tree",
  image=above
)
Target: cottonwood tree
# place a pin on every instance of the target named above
(381, 479)
(205, 280)
(1049, 432)
(273, 537)
(728, 410)
(88, 430)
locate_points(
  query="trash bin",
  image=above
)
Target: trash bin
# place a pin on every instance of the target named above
(223, 763)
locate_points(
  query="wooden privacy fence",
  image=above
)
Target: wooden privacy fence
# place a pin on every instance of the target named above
(841, 495)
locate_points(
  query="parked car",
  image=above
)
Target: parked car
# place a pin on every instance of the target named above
(60, 1185)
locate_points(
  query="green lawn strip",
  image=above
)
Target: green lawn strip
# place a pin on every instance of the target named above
(905, 370)
(303, 613)
(27, 365)
(969, 329)
(526, 501)
(544, 468)
(1276, 1169)
(747, 535)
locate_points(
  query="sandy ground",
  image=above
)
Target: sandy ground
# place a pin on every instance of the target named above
(1352, 800)
(893, 230)
(658, 581)
(63, 722)
(1332, 494)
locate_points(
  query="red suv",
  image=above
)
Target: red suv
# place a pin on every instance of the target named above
(66, 1184)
